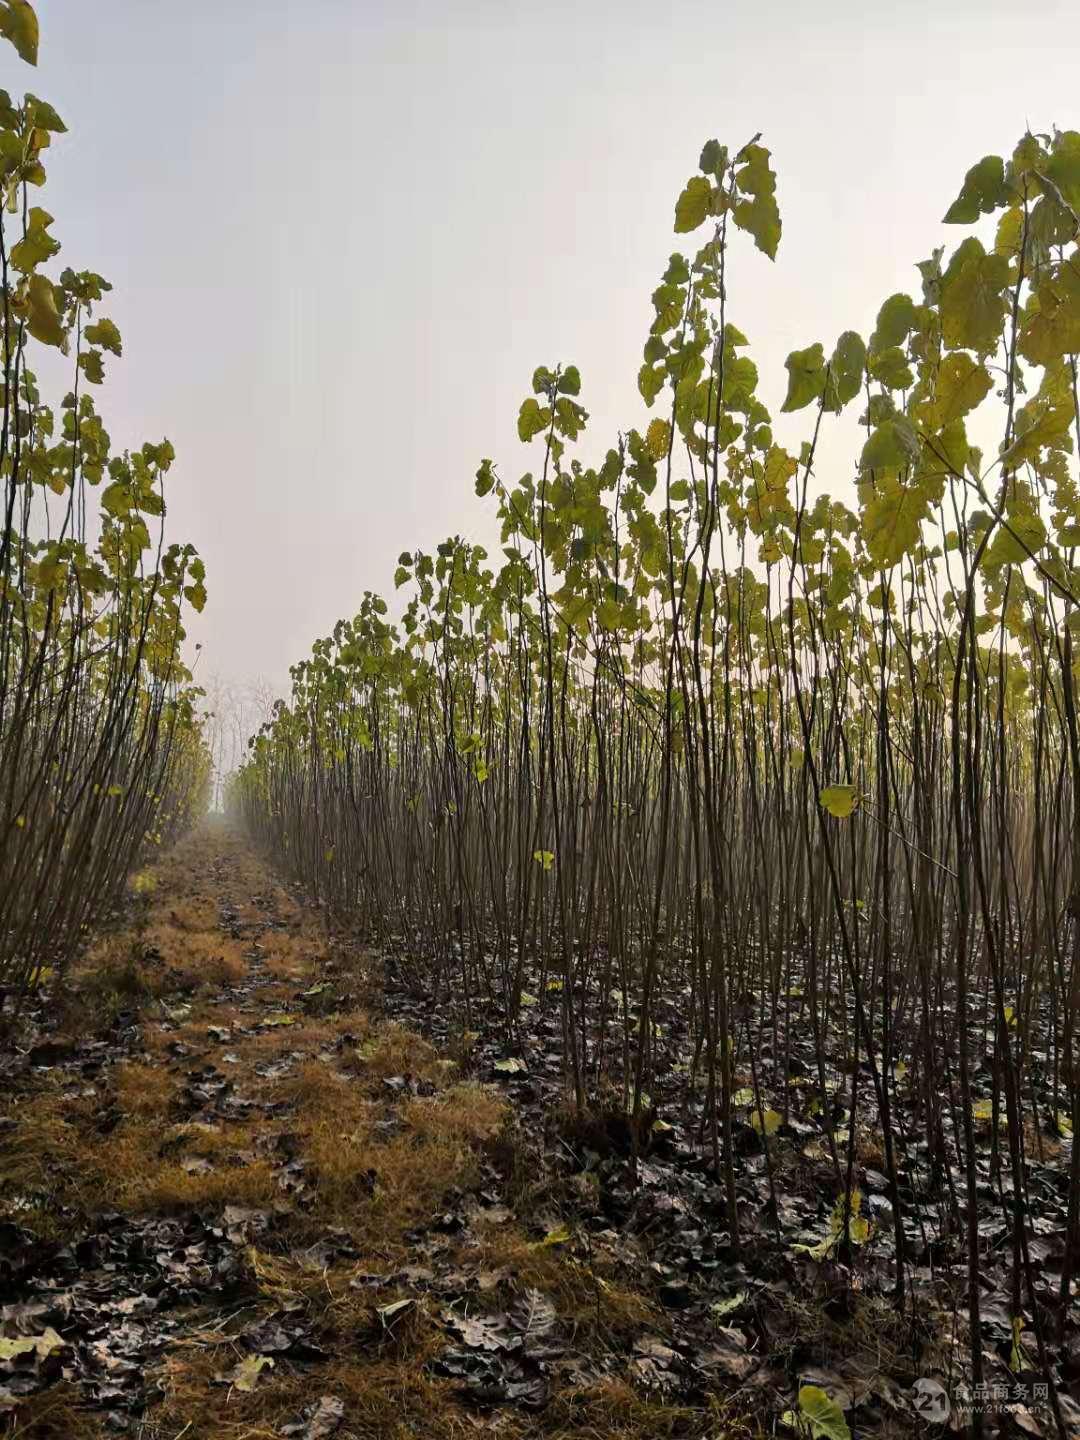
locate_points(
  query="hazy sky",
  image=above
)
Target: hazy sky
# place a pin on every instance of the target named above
(344, 234)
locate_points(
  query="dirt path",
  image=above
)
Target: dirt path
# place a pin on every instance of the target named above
(236, 1202)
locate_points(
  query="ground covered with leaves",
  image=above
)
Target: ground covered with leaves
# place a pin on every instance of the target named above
(255, 1187)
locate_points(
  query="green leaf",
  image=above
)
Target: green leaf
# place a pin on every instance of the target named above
(723, 1308)
(1025, 536)
(92, 366)
(511, 1066)
(37, 245)
(962, 385)
(1017, 1359)
(858, 1229)
(693, 205)
(891, 518)
(43, 115)
(892, 446)
(570, 418)
(889, 367)
(839, 800)
(43, 317)
(846, 369)
(104, 333)
(822, 1414)
(806, 377)
(713, 159)
(1052, 328)
(19, 24)
(651, 381)
(1041, 424)
(983, 191)
(894, 322)
(946, 453)
(116, 499)
(561, 1235)
(246, 1375)
(533, 419)
(41, 1345)
(1063, 167)
(485, 481)
(766, 1122)
(973, 302)
(759, 216)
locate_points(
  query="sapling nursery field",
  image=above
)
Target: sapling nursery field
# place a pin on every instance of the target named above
(636, 990)
(748, 811)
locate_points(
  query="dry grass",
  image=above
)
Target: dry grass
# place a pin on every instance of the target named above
(466, 1112)
(603, 1313)
(381, 1183)
(614, 1410)
(57, 1157)
(143, 1090)
(380, 1161)
(57, 1414)
(390, 1394)
(385, 1384)
(395, 1051)
(40, 1159)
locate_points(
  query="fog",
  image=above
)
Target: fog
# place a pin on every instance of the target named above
(343, 235)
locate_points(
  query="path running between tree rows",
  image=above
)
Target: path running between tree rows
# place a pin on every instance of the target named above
(240, 1202)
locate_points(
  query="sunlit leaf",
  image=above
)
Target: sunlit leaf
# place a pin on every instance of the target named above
(19, 24)
(839, 800)
(983, 190)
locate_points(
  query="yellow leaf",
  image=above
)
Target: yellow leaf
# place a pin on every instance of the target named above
(658, 438)
(41, 1345)
(43, 317)
(246, 1374)
(19, 24)
(561, 1235)
(767, 1123)
(839, 800)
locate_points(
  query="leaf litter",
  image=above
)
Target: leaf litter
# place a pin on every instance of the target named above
(103, 1299)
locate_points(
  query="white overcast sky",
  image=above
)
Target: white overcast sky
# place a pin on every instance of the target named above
(343, 234)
